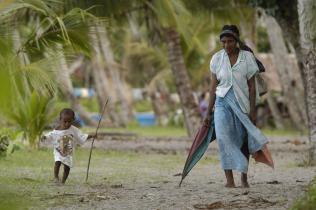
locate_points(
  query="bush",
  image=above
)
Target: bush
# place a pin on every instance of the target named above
(32, 115)
(4, 143)
(308, 202)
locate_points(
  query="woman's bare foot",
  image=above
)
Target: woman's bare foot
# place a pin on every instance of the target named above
(230, 185)
(230, 179)
(245, 185)
(244, 181)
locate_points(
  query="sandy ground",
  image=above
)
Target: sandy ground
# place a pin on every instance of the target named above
(202, 189)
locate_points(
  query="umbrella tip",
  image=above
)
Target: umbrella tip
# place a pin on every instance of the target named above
(180, 183)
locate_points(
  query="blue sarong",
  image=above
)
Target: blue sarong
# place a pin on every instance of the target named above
(233, 127)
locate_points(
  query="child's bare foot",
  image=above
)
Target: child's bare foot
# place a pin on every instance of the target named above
(230, 185)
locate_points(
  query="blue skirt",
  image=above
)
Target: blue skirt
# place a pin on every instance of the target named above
(233, 128)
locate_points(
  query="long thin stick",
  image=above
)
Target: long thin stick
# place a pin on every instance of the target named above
(96, 132)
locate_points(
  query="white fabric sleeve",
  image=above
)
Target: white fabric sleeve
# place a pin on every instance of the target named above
(49, 137)
(80, 137)
(213, 64)
(252, 67)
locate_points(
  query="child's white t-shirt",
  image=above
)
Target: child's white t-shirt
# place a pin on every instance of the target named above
(64, 142)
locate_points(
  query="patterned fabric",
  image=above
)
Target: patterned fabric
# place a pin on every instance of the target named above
(235, 76)
(64, 142)
(233, 127)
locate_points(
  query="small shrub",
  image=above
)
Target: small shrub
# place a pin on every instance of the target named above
(32, 115)
(4, 144)
(308, 202)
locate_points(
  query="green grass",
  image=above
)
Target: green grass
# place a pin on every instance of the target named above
(143, 106)
(25, 178)
(308, 202)
(170, 131)
(283, 132)
(91, 104)
(150, 131)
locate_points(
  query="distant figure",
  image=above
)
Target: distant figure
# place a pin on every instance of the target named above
(203, 105)
(64, 138)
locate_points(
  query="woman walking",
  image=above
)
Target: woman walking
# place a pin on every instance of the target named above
(233, 93)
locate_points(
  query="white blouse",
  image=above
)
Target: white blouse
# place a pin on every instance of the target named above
(235, 76)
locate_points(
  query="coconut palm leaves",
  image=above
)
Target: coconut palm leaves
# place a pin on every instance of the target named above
(27, 88)
(32, 115)
(47, 26)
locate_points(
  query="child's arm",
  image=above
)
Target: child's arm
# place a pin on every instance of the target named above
(81, 138)
(47, 137)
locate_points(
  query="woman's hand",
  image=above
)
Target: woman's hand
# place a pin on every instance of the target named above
(207, 120)
(253, 117)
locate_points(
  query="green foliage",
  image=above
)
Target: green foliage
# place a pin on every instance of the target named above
(143, 106)
(263, 44)
(21, 105)
(91, 104)
(31, 115)
(27, 89)
(308, 202)
(4, 144)
(17, 80)
(70, 29)
(9, 141)
(146, 60)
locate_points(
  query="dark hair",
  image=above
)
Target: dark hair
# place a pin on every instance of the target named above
(232, 28)
(67, 111)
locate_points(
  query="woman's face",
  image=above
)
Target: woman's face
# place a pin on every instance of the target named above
(229, 44)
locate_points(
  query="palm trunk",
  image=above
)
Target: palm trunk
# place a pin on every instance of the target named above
(292, 98)
(188, 103)
(133, 27)
(114, 72)
(307, 17)
(275, 111)
(66, 87)
(101, 80)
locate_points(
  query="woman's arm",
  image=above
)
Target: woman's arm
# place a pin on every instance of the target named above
(214, 83)
(252, 98)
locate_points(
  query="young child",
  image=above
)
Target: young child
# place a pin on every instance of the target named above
(64, 139)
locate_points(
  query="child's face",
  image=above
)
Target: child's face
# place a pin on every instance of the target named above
(66, 121)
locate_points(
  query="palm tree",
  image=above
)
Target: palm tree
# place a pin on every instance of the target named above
(100, 78)
(171, 16)
(294, 24)
(36, 73)
(307, 15)
(114, 72)
(292, 96)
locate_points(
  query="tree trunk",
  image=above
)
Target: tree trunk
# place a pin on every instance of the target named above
(188, 103)
(288, 19)
(101, 80)
(133, 27)
(66, 87)
(114, 72)
(307, 18)
(275, 111)
(292, 99)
